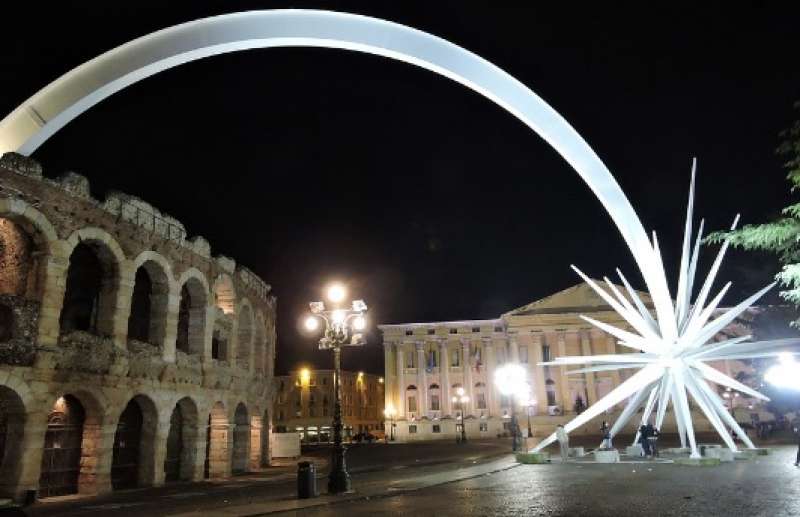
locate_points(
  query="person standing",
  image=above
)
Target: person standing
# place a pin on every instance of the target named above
(563, 442)
(643, 441)
(652, 439)
(604, 431)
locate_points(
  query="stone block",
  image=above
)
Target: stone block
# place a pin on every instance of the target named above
(21, 165)
(698, 462)
(609, 456)
(577, 452)
(75, 184)
(530, 458)
(634, 450)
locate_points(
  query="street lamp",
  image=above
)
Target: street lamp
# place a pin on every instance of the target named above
(343, 326)
(390, 412)
(531, 404)
(510, 380)
(461, 399)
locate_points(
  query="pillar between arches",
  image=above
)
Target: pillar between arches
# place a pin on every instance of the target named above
(32, 445)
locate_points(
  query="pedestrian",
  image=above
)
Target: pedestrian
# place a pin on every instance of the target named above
(797, 437)
(604, 431)
(643, 441)
(652, 439)
(563, 442)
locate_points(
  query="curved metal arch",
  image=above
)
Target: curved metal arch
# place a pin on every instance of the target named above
(38, 118)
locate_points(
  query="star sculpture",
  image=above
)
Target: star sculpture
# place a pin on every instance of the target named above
(670, 355)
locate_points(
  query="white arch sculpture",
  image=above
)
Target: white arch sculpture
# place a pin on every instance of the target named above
(665, 339)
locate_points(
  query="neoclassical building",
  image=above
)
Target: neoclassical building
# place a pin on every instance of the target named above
(427, 363)
(129, 355)
(305, 398)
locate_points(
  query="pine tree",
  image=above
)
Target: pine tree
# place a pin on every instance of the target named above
(781, 236)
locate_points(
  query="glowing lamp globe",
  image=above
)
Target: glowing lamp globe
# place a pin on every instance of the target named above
(510, 380)
(338, 317)
(336, 293)
(360, 323)
(311, 324)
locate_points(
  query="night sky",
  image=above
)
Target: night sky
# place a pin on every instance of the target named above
(308, 165)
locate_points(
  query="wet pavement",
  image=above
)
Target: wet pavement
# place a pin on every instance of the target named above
(763, 486)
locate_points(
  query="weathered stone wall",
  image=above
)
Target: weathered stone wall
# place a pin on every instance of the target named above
(42, 222)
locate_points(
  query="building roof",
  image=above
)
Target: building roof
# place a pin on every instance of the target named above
(579, 298)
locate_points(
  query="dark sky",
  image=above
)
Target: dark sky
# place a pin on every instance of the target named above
(308, 165)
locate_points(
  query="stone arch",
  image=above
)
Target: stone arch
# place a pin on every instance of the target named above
(63, 445)
(224, 292)
(192, 312)
(181, 449)
(133, 461)
(241, 439)
(244, 335)
(26, 240)
(412, 401)
(12, 430)
(217, 462)
(153, 284)
(96, 264)
(260, 344)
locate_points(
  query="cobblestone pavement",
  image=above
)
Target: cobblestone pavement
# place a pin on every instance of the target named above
(765, 486)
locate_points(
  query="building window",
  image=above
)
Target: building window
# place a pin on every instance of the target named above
(454, 331)
(481, 400)
(312, 412)
(550, 389)
(434, 402)
(523, 354)
(412, 404)
(437, 428)
(409, 359)
(476, 329)
(431, 332)
(546, 353)
(456, 358)
(280, 415)
(325, 411)
(501, 356)
(412, 429)
(498, 329)
(409, 332)
(483, 427)
(324, 381)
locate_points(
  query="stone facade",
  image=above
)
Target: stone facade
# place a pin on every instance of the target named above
(426, 362)
(129, 355)
(305, 400)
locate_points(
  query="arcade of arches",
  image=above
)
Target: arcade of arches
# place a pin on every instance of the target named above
(129, 355)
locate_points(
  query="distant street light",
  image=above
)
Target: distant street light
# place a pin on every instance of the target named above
(342, 328)
(390, 413)
(510, 380)
(785, 374)
(460, 400)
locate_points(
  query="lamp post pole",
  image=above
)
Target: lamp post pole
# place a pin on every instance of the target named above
(514, 424)
(343, 327)
(530, 410)
(460, 399)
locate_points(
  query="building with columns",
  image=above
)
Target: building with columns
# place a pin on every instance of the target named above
(426, 363)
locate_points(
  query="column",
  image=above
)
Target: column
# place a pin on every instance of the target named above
(389, 378)
(513, 349)
(491, 399)
(540, 389)
(467, 369)
(444, 377)
(591, 387)
(401, 383)
(422, 386)
(566, 401)
(611, 347)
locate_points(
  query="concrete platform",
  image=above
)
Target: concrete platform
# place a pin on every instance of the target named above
(533, 458)
(724, 454)
(634, 450)
(610, 456)
(577, 452)
(698, 462)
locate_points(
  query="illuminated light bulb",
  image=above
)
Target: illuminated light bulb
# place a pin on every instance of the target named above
(311, 323)
(336, 293)
(360, 323)
(338, 316)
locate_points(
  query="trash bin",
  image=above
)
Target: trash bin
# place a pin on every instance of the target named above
(306, 480)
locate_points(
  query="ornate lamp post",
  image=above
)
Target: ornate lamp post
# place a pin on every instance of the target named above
(531, 404)
(343, 326)
(510, 380)
(460, 400)
(390, 412)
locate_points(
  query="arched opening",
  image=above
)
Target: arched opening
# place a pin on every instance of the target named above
(265, 429)
(12, 426)
(63, 440)
(134, 440)
(244, 337)
(6, 323)
(241, 439)
(224, 294)
(480, 396)
(434, 399)
(191, 318)
(180, 458)
(148, 318)
(411, 401)
(216, 464)
(20, 260)
(89, 298)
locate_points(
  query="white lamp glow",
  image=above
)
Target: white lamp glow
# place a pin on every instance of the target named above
(338, 316)
(336, 293)
(510, 380)
(786, 374)
(311, 323)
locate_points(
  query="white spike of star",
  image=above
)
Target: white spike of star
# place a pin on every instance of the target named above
(673, 356)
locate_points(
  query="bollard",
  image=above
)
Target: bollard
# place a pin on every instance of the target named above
(306, 480)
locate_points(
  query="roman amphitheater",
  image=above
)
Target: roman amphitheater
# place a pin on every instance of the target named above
(129, 355)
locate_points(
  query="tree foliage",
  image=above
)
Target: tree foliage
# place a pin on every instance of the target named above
(781, 236)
